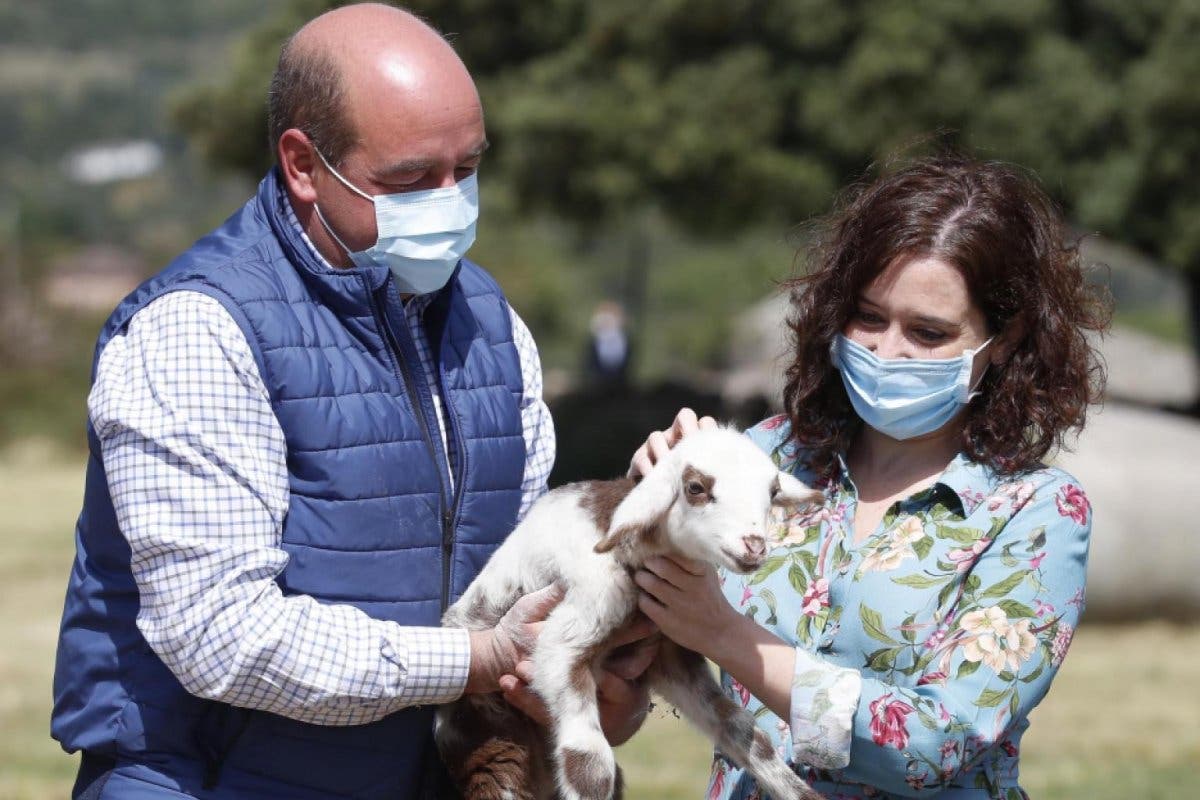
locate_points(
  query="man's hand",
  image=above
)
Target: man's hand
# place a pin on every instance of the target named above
(659, 443)
(621, 697)
(497, 651)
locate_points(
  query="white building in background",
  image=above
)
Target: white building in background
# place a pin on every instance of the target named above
(114, 161)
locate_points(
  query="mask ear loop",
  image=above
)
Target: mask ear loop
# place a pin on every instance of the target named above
(973, 391)
(348, 185)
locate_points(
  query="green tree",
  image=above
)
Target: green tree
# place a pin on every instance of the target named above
(722, 112)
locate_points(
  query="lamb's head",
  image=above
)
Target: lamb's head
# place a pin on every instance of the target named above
(709, 499)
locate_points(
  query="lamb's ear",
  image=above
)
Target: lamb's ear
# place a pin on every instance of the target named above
(792, 493)
(641, 512)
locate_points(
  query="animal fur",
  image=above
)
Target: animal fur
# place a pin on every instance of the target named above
(710, 499)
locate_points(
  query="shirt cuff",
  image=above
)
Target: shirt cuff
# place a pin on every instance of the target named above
(824, 701)
(435, 665)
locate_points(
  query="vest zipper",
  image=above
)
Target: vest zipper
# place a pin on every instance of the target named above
(447, 513)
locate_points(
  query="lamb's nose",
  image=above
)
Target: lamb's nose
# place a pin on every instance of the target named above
(755, 544)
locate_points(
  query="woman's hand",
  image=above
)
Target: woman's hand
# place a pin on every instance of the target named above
(660, 442)
(683, 597)
(621, 696)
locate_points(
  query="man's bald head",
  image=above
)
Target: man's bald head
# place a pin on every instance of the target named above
(351, 63)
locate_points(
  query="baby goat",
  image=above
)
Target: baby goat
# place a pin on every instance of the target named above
(709, 499)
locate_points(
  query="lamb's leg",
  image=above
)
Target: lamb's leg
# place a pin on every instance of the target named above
(563, 677)
(682, 677)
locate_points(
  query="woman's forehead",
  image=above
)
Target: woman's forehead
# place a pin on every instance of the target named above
(922, 286)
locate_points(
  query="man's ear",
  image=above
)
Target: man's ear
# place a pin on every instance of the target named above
(793, 493)
(640, 514)
(297, 162)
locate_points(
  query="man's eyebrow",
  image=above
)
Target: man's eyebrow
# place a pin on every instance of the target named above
(410, 165)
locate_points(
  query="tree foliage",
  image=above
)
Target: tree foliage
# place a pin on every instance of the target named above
(722, 112)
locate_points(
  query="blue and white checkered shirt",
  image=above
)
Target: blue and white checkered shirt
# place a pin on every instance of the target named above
(196, 465)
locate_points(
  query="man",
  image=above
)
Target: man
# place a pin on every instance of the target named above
(307, 435)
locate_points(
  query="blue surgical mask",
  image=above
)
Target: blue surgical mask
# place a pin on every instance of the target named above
(421, 235)
(904, 397)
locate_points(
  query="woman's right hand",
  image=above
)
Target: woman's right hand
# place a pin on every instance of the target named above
(658, 443)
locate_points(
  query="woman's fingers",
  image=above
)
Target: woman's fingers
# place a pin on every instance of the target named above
(659, 443)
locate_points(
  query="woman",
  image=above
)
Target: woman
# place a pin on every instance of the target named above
(898, 635)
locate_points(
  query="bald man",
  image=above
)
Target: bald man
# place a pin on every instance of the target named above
(307, 434)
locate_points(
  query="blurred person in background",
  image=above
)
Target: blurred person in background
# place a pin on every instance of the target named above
(307, 435)
(608, 352)
(899, 634)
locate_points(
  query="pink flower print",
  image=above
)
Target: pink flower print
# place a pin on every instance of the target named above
(1016, 493)
(938, 678)
(717, 782)
(1077, 598)
(964, 557)
(1036, 561)
(1073, 503)
(971, 500)
(943, 714)
(774, 422)
(742, 692)
(1061, 643)
(936, 638)
(746, 594)
(887, 721)
(816, 597)
(1009, 748)
(1042, 609)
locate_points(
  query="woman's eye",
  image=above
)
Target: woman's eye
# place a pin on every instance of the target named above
(869, 317)
(930, 335)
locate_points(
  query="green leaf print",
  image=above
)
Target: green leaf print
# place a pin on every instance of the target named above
(798, 579)
(768, 597)
(807, 560)
(1013, 705)
(768, 568)
(883, 659)
(928, 720)
(918, 581)
(1033, 676)
(967, 668)
(1037, 538)
(1015, 609)
(990, 698)
(1001, 588)
(906, 628)
(922, 546)
(873, 624)
(956, 533)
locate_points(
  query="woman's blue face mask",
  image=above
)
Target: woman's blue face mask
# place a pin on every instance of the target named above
(904, 397)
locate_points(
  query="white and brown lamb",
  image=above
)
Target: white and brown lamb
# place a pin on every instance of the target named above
(709, 499)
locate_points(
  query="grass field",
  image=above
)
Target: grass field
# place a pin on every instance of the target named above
(1122, 722)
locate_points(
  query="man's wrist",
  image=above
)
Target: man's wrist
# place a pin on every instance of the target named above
(485, 669)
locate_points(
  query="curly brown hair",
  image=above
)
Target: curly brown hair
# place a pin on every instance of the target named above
(994, 223)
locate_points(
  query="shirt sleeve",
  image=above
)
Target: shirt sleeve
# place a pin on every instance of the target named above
(537, 426)
(196, 465)
(993, 663)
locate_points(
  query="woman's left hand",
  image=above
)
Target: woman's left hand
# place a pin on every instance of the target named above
(683, 597)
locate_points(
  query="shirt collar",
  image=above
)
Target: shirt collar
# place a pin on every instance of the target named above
(415, 303)
(963, 481)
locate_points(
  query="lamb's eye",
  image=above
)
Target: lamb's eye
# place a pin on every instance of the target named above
(695, 488)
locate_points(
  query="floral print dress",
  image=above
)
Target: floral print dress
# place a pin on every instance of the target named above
(921, 650)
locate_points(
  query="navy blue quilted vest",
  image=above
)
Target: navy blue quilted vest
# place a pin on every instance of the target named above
(372, 521)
